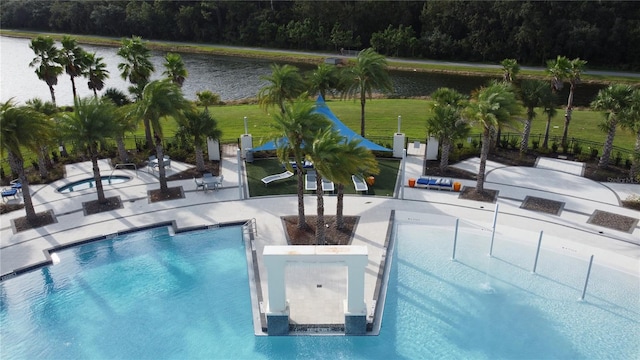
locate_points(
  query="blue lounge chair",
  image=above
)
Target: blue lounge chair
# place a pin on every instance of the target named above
(9, 192)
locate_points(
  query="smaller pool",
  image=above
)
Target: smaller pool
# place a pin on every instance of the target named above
(90, 183)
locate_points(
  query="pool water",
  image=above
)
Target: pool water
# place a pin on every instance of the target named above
(90, 183)
(153, 295)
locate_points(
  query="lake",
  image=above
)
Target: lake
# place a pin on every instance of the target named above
(233, 78)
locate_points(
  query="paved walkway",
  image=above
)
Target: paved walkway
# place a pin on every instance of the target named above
(569, 230)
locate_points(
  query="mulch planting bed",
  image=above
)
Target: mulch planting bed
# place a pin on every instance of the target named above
(95, 207)
(171, 194)
(470, 193)
(613, 221)
(307, 236)
(42, 219)
(542, 205)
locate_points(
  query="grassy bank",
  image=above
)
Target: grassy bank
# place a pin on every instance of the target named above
(310, 57)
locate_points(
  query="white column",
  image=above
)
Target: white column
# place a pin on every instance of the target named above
(276, 284)
(398, 145)
(355, 287)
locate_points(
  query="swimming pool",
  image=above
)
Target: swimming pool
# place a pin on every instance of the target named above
(90, 183)
(153, 295)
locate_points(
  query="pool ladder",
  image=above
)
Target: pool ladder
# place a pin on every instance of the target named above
(250, 229)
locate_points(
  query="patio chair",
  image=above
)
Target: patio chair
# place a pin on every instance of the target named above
(199, 184)
(310, 181)
(6, 192)
(328, 185)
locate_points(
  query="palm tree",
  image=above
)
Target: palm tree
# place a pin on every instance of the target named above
(22, 128)
(91, 122)
(285, 84)
(116, 96)
(207, 98)
(175, 69)
(96, 72)
(323, 153)
(446, 122)
(200, 126)
(296, 128)
(160, 98)
(548, 104)
(352, 159)
(73, 59)
(137, 69)
(48, 110)
(45, 62)
(631, 121)
(510, 69)
(369, 73)
(531, 93)
(564, 69)
(490, 106)
(614, 100)
(126, 121)
(323, 79)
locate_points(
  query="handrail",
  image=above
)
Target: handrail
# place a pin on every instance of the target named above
(250, 227)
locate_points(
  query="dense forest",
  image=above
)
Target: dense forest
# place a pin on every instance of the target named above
(606, 33)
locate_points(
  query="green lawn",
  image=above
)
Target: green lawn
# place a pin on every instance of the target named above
(384, 184)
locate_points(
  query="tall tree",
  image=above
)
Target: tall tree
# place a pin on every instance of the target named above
(562, 69)
(97, 73)
(323, 79)
(489, 107)
(91, 122)
(200, 126)
(22, 128)
(137, 69)
(73, 59)
(160, 98)
(531, 93)
(46, 62)
(510, 69)
(352, 159)
(48, 110)
(296, 128)
(631, 121)
(369, 73)
(285, 84)
(207, 98)
(614, 100)
(175, 69)
(445, 121)
(548, 104)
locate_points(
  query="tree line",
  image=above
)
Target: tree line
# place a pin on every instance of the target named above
(529, 31)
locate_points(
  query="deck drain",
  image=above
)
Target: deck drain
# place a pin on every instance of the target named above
(319, 286)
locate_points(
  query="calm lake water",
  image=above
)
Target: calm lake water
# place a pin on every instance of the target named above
(232, 78)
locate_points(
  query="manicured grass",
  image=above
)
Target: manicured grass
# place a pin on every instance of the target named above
(384, 184)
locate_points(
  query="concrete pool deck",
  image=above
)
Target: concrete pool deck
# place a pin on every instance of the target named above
(570, 232)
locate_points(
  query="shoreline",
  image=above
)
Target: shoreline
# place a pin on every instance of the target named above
(309, 57)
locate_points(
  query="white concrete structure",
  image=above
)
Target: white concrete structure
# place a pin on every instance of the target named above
(246, 142)
(276, 258)
(213, 148)
(432, 148)
(398, 145)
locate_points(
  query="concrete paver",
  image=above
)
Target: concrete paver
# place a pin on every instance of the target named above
(309, 301)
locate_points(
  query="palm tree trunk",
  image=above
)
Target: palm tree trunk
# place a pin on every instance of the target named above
(53, 95)
(122, 151)
(524, 144)
(302, 222)
(363, 101)
(147, 133)
(484, 154)
(567, 117)
(320, 218)
(96, 174)
(340, 207)
(17, 166)
(42, 162)
(162, 174)
(608, 143)
(444, 157)
(199, 159)
(545, 143)
(634, 172)
(73, 87)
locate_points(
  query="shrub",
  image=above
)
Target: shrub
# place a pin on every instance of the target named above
(460, 145)
(535, 144)
(594, 153)
(627, 164)
(504, 142)
(474, 143)
(577, 148)
(35, 165)
(513, 143)
(617, 159)
(554, 147)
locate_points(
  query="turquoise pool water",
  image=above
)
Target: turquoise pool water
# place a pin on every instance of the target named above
(149, 295)
(90, 183)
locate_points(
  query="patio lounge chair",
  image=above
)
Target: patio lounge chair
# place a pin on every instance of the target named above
(328, 186)
(310, 181)
(359, 183)
(271, 178)
(6, 192)
(15, 184)
(435, 183)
